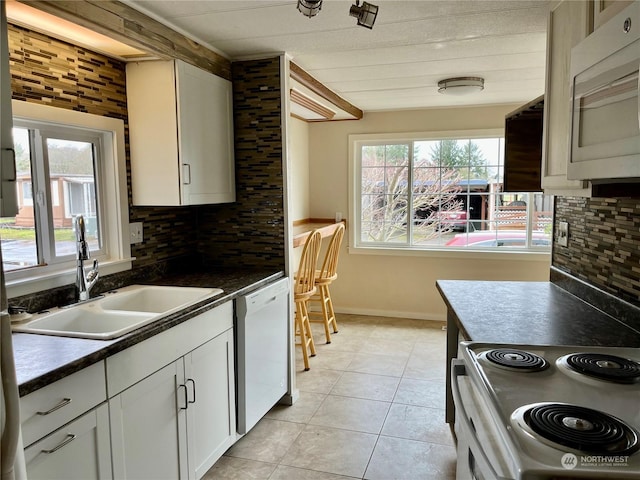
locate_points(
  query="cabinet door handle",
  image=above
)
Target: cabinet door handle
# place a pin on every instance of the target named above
(68, 439)
(186, 171)
(193, 383)
(63, 403)
(186, 400)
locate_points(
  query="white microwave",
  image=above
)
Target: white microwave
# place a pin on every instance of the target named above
(605, 109)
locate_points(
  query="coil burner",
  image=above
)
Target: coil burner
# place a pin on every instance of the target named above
(517, 360)
(603, 367)
(581, 429)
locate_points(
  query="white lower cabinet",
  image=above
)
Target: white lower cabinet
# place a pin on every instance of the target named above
(211, 418)
(65, 428)
(170, 411)
(176, 422)
(148, 428)
(79, 450)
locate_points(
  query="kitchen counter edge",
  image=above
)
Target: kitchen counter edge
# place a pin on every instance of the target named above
(535, 313)
(44, 359)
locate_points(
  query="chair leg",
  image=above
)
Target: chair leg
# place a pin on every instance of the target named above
(325, 312)
(305, 322)
(331, 317)
(300, 330)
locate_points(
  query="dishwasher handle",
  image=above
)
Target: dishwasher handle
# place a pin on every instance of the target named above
(263, 297)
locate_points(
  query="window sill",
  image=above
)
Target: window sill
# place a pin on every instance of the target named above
(59, 278)
(451, 253)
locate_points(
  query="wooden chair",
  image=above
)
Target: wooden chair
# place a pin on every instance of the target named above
(304, 287)
(324, 277)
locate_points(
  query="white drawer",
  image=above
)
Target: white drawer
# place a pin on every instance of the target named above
(47, 409)
(78, 450)
(139, 361)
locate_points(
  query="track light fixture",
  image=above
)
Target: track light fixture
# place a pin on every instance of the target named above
(309, 8)
(366, 14)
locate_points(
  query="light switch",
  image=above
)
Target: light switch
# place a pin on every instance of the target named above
(135, 232)
(563, 234)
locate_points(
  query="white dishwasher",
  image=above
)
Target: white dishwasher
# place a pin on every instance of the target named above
(262, 325)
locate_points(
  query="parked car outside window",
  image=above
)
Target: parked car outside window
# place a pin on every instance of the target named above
(499, 238)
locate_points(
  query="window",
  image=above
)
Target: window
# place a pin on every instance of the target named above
(68, 163)
(441, 193)
(41, 233)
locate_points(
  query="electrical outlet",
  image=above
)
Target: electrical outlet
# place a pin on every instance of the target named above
(135, 232)
(563, 234)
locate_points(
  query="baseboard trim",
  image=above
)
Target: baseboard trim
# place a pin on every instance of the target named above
(438, 317)
(290, 398)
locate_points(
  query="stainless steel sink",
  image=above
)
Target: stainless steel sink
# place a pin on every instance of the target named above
(117, 313)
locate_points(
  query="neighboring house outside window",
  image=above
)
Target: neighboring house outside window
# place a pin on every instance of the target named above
(68, 163)
(441, 192)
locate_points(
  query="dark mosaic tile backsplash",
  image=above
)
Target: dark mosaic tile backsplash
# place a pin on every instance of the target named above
(604, 244)
(252, 228)
(52, 72)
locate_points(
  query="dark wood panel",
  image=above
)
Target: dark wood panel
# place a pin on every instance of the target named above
(523, 148)
(118, 20)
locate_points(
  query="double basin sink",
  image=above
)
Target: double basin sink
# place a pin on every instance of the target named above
(117, 313)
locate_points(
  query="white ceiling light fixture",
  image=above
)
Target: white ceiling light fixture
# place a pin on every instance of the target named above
(366, 14)
(461, 85)
(309, 8)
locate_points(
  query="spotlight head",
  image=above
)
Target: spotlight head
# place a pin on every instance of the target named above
(366, 14)
(309, 8)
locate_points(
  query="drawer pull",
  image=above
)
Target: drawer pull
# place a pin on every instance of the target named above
(64, 402)
(68, 439)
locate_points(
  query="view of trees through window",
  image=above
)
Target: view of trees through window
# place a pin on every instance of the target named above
(446, 192)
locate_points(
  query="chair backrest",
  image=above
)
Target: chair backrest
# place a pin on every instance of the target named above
(305, 276)
(330, 265)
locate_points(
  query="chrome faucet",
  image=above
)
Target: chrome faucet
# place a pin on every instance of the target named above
(83, 282)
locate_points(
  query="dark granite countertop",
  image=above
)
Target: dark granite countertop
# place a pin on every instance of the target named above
(44, 359)
(534, 313)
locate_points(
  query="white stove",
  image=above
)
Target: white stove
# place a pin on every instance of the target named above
(547, 412)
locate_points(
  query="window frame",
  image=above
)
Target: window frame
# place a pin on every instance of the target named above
(115, 255)
(356, 141)
(42, 132)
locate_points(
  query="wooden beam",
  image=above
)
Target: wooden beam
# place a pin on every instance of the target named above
(310, 104)
(120, 21)
(314, 85)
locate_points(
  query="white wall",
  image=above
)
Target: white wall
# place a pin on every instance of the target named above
(299, 163)
(401, 285)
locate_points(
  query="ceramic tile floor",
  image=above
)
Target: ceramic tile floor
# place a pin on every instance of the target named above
(371, 407)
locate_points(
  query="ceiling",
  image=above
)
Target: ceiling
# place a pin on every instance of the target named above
(396, 65)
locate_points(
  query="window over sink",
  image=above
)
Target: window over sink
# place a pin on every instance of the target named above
(441, 192)
(68, 163)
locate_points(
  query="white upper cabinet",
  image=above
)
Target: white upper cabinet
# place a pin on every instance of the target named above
(568, 25)
(181, 134)
(604, 10)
